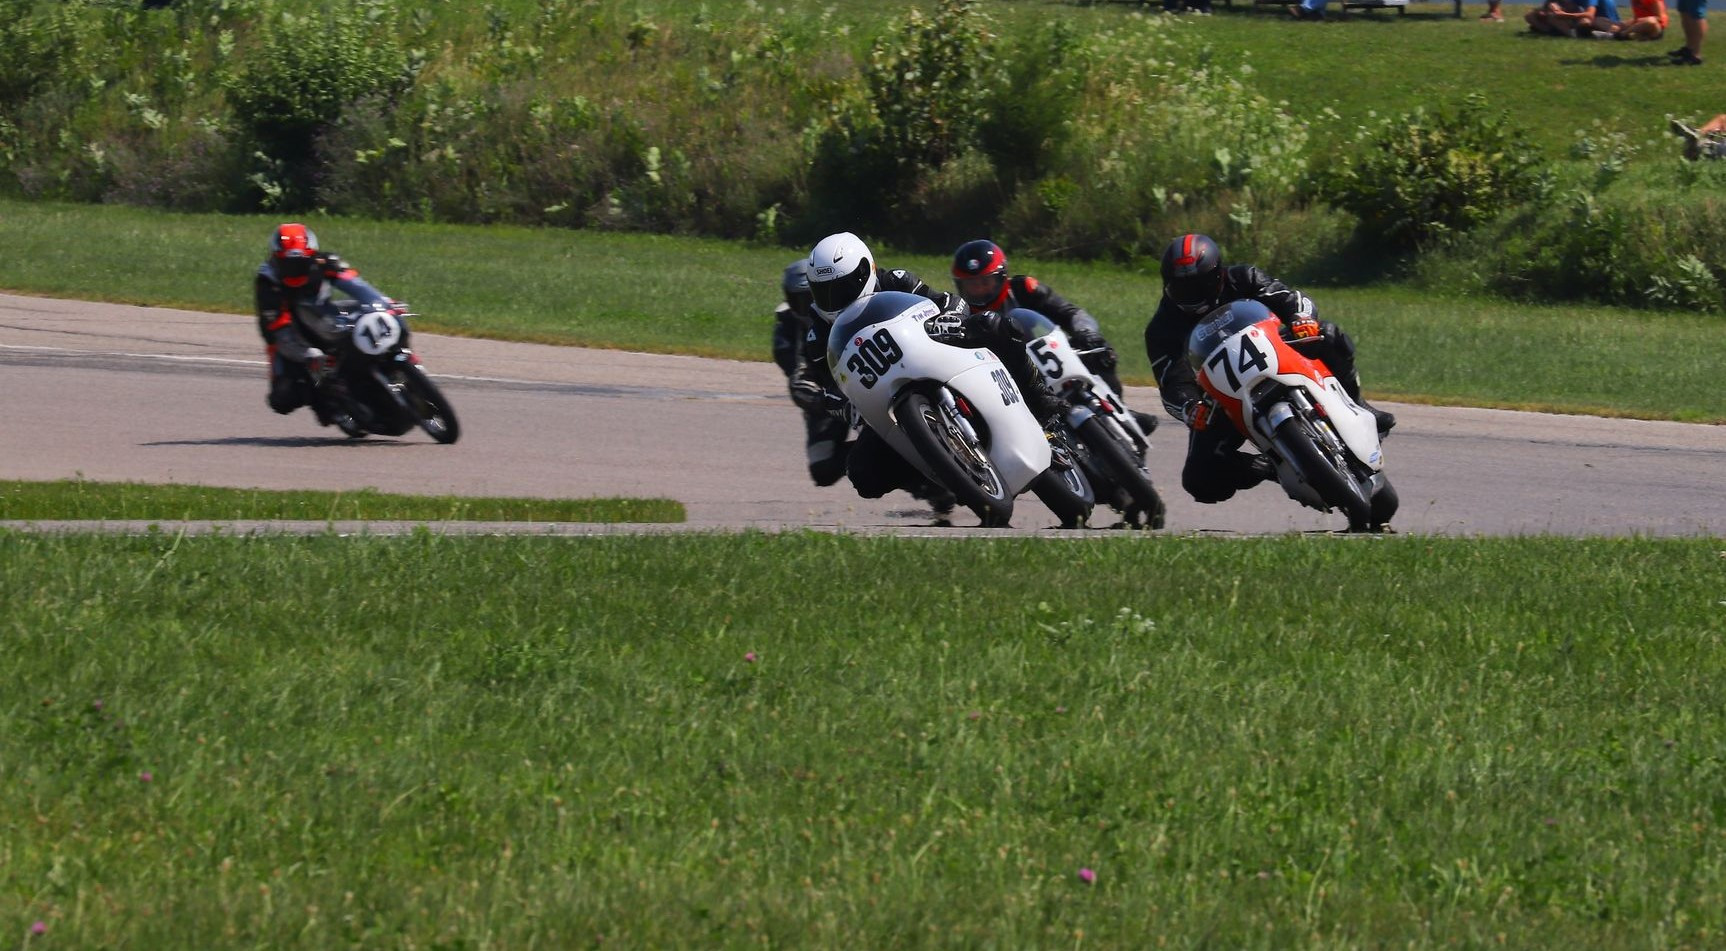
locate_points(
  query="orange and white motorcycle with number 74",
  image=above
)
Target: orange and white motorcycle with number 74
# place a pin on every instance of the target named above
(1324, 445)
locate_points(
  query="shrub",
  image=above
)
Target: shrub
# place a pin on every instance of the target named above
(1432, 174)
(301, 71)
(927, 81)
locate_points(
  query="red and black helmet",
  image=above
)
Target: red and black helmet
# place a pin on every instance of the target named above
(1193, 273)
(980, 274)
(293, 249)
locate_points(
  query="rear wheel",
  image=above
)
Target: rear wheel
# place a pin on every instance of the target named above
(1123, 468)
(1329, 477)
(425, 403)
(955, 459)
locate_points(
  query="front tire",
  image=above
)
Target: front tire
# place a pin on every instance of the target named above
(426, 404)
(1124, 470)
(1329, 478)
(955, 462)
(1065, 490)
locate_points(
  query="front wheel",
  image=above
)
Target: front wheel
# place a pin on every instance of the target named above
(425, 403)
(1330, 478)
(1123, 468)
(954, 458)
(1064, 489)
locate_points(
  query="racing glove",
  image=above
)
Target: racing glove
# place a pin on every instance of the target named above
(1197, 413)
(808, 394)
(318, 364)
(1303, 327)
(945, 325)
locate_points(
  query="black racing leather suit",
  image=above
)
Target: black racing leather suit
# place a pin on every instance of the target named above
(1215, 468)
(287, 314)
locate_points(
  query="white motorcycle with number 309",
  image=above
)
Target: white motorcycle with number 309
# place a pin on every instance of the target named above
(953, 412)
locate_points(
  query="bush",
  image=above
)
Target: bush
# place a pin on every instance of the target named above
(1429, 175)
(927, 82)
(299, 74)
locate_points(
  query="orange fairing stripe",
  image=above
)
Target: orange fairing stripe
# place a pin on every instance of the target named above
(347, 275)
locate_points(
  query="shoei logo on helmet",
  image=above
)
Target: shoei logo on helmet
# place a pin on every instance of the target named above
(824, 271)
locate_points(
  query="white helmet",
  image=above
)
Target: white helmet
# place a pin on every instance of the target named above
(841, 271)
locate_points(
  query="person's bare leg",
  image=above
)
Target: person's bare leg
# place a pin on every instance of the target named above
(1695, 31)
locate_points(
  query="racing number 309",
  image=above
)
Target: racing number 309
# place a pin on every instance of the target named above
(874, 356)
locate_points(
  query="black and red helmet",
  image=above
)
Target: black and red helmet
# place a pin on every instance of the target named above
(1193, 273)
(293, 249)
(980, 274)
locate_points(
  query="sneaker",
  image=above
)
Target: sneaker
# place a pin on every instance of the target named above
(1683, 57)
(1602, 34)
(1680, 52)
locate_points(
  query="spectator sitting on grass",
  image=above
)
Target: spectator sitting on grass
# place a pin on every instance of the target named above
(1598, 19)
(1553, 17)
(1647, 21)
(1709, 141)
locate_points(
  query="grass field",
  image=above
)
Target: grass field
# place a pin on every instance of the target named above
(73, 499)
(839, 742)
(688, 295)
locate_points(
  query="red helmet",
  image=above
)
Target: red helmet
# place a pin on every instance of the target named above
(1193, 273)
(292, 250)
(980, 274)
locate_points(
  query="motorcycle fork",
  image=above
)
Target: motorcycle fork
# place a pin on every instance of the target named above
(958, 416)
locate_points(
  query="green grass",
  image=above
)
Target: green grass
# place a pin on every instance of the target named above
(77, 499)
(823, 741)
(713, 298)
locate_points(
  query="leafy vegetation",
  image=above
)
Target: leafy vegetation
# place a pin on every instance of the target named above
(1091, 131)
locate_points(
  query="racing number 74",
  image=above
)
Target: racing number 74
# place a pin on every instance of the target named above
(1251, 359)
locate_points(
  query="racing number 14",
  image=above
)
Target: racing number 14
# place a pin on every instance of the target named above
(1251, 359)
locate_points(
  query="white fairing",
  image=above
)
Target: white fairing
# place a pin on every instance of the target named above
(1053, 355)
(878, 360)
(1238, 364)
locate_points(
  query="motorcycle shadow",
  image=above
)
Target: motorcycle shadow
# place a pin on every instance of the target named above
(276, 442)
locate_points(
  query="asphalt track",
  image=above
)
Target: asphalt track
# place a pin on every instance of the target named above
(109, 392)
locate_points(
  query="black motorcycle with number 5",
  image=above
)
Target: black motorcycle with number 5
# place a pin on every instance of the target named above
(376, 378)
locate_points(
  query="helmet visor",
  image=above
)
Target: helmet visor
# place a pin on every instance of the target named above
(835, 295)
(981, 290)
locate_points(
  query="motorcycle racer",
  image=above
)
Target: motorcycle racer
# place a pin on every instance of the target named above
(296, 283)
(826, 424)
(1195, 282)
(841, 271)
(981, 276)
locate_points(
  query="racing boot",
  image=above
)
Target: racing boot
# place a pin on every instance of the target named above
(1146, 421)
(941, 502)
(329, 413)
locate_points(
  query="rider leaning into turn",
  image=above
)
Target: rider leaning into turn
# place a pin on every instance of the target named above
(827, 427)
(296, 282)
(1195, 282)
(980, 274)
(842, 271)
